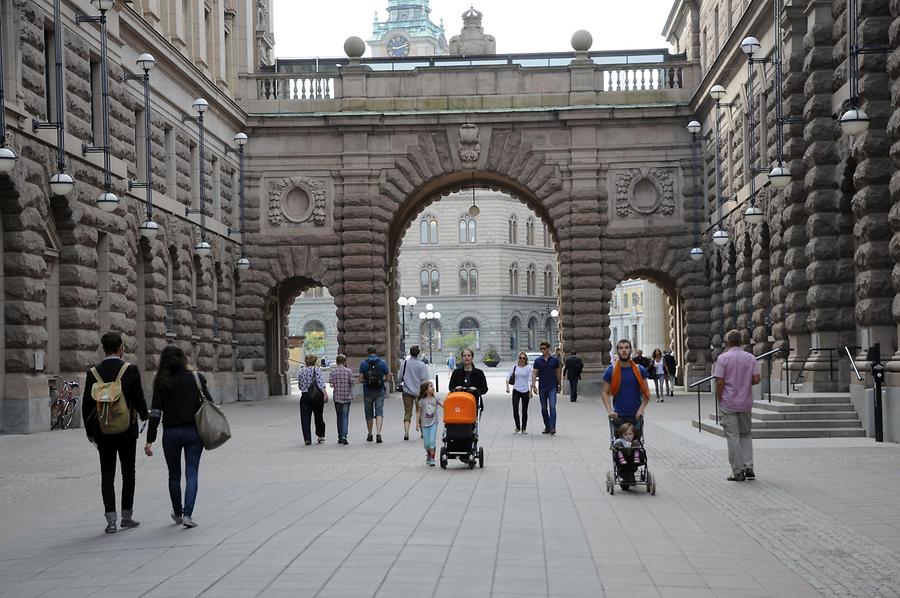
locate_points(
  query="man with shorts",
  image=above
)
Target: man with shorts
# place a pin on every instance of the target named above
(372, 374)
(547, 371)
(412, 374)
(737, 372)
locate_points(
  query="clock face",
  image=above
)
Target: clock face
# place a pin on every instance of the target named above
(398, 46)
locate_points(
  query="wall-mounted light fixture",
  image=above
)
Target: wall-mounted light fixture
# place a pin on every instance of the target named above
(694, 128)
(854, 121)
(720, 235)
(240, 139)
(61, 183)
(148, 228)
(750, 45)
(202, 248)
(473, 209)
(107, 200)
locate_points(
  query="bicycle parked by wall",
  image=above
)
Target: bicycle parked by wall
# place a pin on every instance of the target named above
(62, 408)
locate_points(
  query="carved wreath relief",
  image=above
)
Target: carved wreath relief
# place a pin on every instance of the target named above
(469, 147)
(298, 200)
(639, 193)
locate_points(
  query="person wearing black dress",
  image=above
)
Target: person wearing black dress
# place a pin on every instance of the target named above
(469, 376)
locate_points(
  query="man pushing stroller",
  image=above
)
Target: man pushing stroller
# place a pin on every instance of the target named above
(625, 391)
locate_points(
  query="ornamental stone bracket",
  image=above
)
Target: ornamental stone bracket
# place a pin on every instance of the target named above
(469, 146)
(644, 192)
(298, 200)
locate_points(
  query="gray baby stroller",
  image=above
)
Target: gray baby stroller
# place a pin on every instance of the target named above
(631, 473)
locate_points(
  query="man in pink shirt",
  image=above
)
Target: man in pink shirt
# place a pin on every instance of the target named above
(736, 372)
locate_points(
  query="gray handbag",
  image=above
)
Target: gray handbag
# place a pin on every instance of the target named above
(212, 426)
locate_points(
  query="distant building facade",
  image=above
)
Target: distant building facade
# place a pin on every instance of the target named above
(408, 31)
(639, 311)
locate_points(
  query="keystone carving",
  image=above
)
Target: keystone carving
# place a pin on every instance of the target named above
(298, 200)
(643, 194)
(469, 147)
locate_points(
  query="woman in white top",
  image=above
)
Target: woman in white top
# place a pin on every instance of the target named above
(659, 374)
(520, 374)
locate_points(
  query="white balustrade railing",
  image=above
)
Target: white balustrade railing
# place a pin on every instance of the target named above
(295, 86)
(643, 77)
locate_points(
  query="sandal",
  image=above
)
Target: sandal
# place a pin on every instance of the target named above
(736, 477)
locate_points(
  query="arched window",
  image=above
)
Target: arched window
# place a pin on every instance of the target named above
(428, 232)
(468, 280)
(429, 281)
(470, 326)
(514, 326)
(513, 280)
(549, 331)
(529, 232)
(530, 281)
(532, 333)
(513, 230)
(467, 230)
(548, 281)
(547, 239)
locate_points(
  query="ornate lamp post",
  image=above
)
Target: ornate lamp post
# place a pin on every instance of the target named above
(430, 316)
(148, 228)
(694, 128)
(854, 121)
(720, 236)
(240, 139)
(406, 304)
(202, 248)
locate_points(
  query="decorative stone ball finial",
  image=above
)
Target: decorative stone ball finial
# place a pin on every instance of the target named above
(582, 40)
(354, 47)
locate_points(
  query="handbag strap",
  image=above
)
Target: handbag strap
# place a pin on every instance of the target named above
(199, 386)
(403, 373)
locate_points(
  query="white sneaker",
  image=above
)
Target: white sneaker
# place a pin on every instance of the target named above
(176, 518)
(186, 521)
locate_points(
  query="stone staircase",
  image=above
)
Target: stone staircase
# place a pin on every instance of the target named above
(799, 415)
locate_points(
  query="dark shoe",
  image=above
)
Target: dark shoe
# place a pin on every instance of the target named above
(176, 518)
(749, 474)
(128, 521)
(346, 442)
(187, 522)
(546, 431)
(553, 432)
(110, 522)
(736, 477)
(378, 438)
(406, 437)
(307, 442)
(573, 400)
(369, 438)
(320, 439)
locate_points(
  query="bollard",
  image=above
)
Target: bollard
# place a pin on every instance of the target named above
(874, 356)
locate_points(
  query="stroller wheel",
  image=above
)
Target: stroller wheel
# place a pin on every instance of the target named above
(471, 461)
(649, 482)
(481, 457)
(443, 458)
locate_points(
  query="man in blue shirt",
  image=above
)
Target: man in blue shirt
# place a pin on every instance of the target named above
(624, 393)
(548, 370)
(372, 374)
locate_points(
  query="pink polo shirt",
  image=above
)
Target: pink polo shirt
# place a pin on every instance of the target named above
(737, 367)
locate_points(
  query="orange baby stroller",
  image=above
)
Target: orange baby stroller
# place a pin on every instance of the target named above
(460, 440)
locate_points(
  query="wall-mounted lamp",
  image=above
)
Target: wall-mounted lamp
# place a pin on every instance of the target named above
(693, 128)
(61, 183)
(720, 236)
(854, 121)
(148, 229)
(202, 248)
(240, 139)
(107, 200)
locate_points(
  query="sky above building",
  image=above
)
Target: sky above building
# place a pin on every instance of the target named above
(308, 29)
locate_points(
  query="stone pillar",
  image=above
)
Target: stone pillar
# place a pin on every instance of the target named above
(829, 270)
(744, 291)
(893, 130)
(656, 320)
(729, 286)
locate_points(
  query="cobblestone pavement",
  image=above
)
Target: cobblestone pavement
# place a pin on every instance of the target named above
(280, 519)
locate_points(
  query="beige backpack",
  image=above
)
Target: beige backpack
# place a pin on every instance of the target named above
(113, 413)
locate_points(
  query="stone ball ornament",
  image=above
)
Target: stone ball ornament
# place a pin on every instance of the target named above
(354, 47)
(582, 40)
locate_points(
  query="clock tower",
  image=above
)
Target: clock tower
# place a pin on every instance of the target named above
(408, 31)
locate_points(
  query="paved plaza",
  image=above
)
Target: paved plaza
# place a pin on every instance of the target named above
(280, 519)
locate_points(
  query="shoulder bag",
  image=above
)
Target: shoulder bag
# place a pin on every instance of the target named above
(212, 426)
(512, 376)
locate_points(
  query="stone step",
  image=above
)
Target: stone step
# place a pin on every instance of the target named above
(763, 414)
(801, 408)
(756, 423)
(758, 433)
(809, 398)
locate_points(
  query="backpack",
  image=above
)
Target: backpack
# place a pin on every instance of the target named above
(315, 393)
(113, 413)
(375, 377)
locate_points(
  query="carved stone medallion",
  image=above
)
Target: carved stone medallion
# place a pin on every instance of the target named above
(642, 194)
(298, 200)
(469, 147)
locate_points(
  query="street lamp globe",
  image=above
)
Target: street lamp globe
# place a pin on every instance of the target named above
(243, 264)
(200, 105)
(422, 315)
(402, 301)
(780, 176)
(429, 315)
(697, 254)
(61, 183)
(108, 202)
(7, 159)
(412, 301)
(720, 237)
(437, 315)
(103, 5)
(750, 46)
(717, 92)
(854, 121)
(753, 215)
(240, 139)
(146, 62)
(148, 230)
(429, 307)
(554, 313)
(694, 127)
(203, 248)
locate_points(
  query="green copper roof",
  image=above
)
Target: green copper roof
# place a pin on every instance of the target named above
(409, 15)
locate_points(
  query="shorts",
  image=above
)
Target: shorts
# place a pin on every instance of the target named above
(374, 404)
(429, 435)
(409, 402)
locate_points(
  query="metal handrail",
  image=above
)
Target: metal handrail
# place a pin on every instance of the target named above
(853, 363)
(802, 373)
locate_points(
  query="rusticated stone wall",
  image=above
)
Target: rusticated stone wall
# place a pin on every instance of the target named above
(893, 138)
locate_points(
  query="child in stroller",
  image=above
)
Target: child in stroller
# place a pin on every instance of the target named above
(629, 456)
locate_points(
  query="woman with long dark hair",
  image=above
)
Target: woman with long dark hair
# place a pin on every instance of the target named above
(466, 375)
(176, 398)
(659, 373)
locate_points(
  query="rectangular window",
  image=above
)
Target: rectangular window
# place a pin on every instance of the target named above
(96, 103)
(626, 299)
(188, 25)
(229, 55)
(140, 147)
(209, 50)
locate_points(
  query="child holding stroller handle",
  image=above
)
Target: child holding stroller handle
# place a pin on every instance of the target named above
(626, 445)
(428, 419)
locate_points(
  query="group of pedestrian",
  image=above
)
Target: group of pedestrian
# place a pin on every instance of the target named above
(176, 398)
(661, 368)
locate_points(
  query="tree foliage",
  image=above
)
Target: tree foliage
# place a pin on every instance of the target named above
(315, 342)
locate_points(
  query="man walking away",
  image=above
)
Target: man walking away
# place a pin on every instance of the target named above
(372, 374)
(412, 374)
(736, 372)
(122, 383)
(572, 372)
(671, 369)
(341, 381)
(548, 370)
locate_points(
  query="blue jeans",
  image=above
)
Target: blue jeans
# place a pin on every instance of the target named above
(373, 401)
(342, 411)
(548, 406)
(174, 440)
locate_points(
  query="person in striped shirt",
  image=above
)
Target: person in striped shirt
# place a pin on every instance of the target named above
(341, 380)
